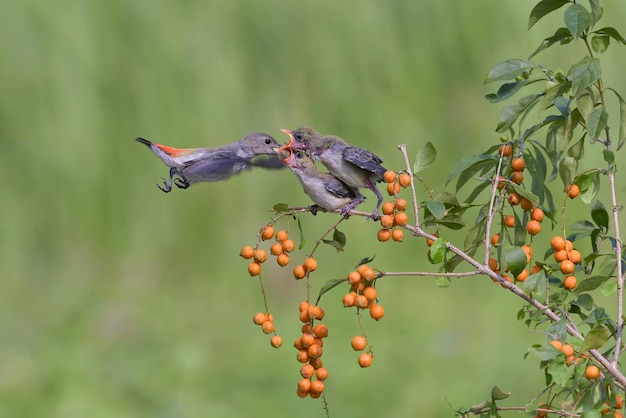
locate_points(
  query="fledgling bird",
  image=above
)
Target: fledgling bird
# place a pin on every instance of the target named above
(356, 167)
(324, 189)
(193, 165)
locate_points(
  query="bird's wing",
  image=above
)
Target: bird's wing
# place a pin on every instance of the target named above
(364, 159)
(338, 187)
(268, 161)
(214, 169)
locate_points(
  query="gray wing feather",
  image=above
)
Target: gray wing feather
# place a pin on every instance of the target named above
(364, 159)
(338, 187)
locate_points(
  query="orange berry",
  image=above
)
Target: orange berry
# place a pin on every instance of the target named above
(592, 372)
(401, 218)
(254, 269)
(568, 350)
(556, 344)
(348, 300)
(304, 317)
(605, 410)
(304, 385)
(495, 238)
(302, 394)
(320, 331)
(276, 248)
(310, 264)
(259, 318)
(493, 263)
(401, 204)
(533, 227)
(505, 150)
(276, 341)
(397, 235)
(383, 234)
(267, 327)
(404, 179)
(389, 176)
(522, 276)
(387, 221)
(370, 293)
(501, 182)
(377, 311)
(321, 373)
(557, 243)
(393, 189)
(307, 371)
(518, 164)
(282, 259)
(365, 360)
(430, 242)
(560, 255)
(304, 305)
(569, 282)
(368, 274)
(307, 339)
(536, 269)
(572, 191)
(619, 402)
(509, 221)
(537, 214)
(247, 252)
(361, 302)
(317, 387)
(526, 204)
(388, 208)
(288, 245)
(267, 233)
(569, 246)
(517, 177)
(314, 350)
(618, 414)
(282, 236)
(260, 255)
(528, 250)
(354, 277)
(513, 198)
(508, 279)
(566, 267)
(299, 272)
(358, 343)
(315, 312)
(575, 256)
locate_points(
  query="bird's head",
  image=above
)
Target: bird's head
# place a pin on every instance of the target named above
(301, 138)
(261, 143)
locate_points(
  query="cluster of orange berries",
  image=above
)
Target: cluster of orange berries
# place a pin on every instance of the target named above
(613, 409)
(395, 181)
(309, 346)
(280, 250)
(567, 257)
(266, 322)
(394, 213)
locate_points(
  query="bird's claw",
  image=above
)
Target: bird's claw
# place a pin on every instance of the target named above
(313, 209)
(166, 188)
(181, 182)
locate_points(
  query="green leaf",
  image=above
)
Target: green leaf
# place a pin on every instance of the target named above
(585, 102)
(599, 214)
(281, 207)
(505, 91)
(590, 284)
(577, 151)
(535, 284)
(584, 73)
(609, 156)
(365, 260)
(437, 209)
(438, 250)
(467, 162)
(559, 371)
(498, 394)
(596, 12)
(302, 240)
(526, 194)
(545, 352)
(340, 237)
(567, 170)
(600, 43)
(596, 122)
(589, 184)
(553, 93)
(622, 120)
(515, 259)
(613, 33)
(443, 281)
(595, 338)
(543, 8)
(331, 284)
(425, 157)
(609, 288)
(512, 111)
(577, 19)
(509, 69)
(562, 35)
(336, 245)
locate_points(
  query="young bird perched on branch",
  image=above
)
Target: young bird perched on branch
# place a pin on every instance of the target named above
(356, 167)
(324, 189)
(193, 165)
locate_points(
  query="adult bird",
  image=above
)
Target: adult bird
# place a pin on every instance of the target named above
(356, 167)
(194, 165)
(324, 189)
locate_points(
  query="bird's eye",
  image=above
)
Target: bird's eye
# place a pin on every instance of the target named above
(299, 155)
(299, 136)
(268, 141)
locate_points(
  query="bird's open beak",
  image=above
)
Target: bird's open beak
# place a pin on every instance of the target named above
(288, 146)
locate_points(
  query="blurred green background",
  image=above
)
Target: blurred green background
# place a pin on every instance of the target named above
(119, 300)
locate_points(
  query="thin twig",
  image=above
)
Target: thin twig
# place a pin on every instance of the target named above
(416, 208)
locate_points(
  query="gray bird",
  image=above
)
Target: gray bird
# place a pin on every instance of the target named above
(356, 167)
(193, 165)
(324, 189)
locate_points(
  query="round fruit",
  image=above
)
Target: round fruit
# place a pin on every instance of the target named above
(537, 214)
(575, 256)
(513, 199)
(393, 189)
(526, 204)
(397, 235)
(556, 344)
(522, 276)
(501, 182)
(495, 239)
(573, 190)
(568, 350)
(282, 259)
(288, 245)
(509, 221)
(267, 233)
(317, 386)
(315, 312)
(377, 311)
(247, 252)
(389, 176)
(528, 250)
(276, 248)
(259, 318)
(383, 234)
(348, 300)
(365, 360)
(267, 327)
(533, 227)
(566, 267)
(401, 204)
(517, 177)
(276, 341)
(592, 372)
(401, 218)
(307, 371)
(354, 277)
(358, 343)
(388, 208)
(314, 350)
(254, 268)
(557, 243)
(493, 263)
(370, 293)
(260, 255)
(518, 164)
(320, 331)
(310, 264)
(361, 302)
(569, 282)
(321, 373)
(282, 236)
(404, 179)
(505, 150)
(386, 221)
(299, 272)
(304, 385)
(619, 402)
(368, 274)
